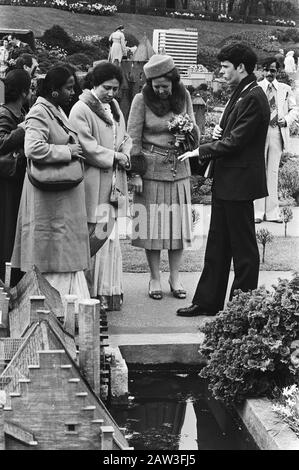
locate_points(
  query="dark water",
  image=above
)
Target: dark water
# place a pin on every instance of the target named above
(174, 411)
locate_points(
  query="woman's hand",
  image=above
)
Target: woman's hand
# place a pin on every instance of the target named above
(122, 160)
(136, 184)
(76, 151)
(217, 132)
(190, 154)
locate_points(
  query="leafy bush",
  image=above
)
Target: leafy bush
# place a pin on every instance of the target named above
(131, 40)
(260, 40)
(287, 35)
(57, 36)
(288, 179)
(207, 56)
(248, 345)
(200, 188)
(80, 60)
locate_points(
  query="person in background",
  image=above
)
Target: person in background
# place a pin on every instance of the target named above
(280, 58)
(52, 231)
(18, 47)
(27, 62)
(12, 162)
(106, 146)
(4, 57)
(289, 64)
(118, 45)
(283, 113)
(162, 193)
(239, 177)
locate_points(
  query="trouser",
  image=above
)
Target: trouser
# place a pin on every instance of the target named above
(231, 237)
(268, 208)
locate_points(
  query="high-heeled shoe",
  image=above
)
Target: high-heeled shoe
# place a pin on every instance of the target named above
(177, 293)
(154, 294)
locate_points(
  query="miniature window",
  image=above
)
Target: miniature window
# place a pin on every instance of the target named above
(71, 427)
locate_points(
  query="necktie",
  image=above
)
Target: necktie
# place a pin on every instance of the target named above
(273, 106)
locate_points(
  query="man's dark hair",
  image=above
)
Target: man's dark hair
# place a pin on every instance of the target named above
(239, 54)
(270, 60)
(13, 35)
(16, 82)
(24, 59)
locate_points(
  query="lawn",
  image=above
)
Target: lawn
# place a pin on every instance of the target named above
(281, 255)
(40, 19)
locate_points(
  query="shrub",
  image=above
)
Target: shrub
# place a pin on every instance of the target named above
(57, 36)
(207, 56)
(248, 345)
(131, 40)
(288, 179)
(287, 35)
(264, 237)
(80, 60)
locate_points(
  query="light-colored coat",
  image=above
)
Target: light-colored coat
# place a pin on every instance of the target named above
(286, 106)
(52, 228)
(95, 131)
(118, 48)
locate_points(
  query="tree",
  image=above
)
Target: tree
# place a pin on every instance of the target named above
(264, 236)
(286, 214)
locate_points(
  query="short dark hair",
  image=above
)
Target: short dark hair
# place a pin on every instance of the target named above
(24, 59)
(173, 76)
(270, 60)
(55, 79)
(88, 80)
(106, 71)
(13, 35)
(237, 54)
(16, 82)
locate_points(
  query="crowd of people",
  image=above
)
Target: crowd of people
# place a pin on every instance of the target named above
(65, 158)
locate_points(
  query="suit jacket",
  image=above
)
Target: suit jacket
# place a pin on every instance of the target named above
(286, 106)
(239, 163)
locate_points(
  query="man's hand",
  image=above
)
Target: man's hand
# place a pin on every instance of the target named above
(217, 132)
(190, 154)
(136, 184)
(282, 122)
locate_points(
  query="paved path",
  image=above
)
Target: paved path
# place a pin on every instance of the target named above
(145, 316)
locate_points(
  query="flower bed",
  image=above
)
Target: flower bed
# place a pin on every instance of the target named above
(76, 7)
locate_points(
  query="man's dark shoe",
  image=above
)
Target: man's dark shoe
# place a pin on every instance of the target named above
(194, 311)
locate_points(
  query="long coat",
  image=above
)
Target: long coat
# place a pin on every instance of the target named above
(286, 108)
(11, 140)
(52, 228)
(95, 131)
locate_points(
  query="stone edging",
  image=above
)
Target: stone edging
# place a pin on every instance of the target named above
(265, 426)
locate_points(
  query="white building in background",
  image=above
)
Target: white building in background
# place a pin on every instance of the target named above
(181, 44)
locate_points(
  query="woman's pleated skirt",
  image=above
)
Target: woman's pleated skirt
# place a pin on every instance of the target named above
(162, 215)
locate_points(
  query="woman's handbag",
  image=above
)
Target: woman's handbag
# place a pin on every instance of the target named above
(119, 188)
(56, 176)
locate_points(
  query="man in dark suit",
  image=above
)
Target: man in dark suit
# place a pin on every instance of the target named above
(239, 177)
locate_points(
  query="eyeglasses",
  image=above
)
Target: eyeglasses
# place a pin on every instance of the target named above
(270, 70)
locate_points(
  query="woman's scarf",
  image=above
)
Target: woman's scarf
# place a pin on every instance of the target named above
(96, 106)
(247, 82)
(175, 103)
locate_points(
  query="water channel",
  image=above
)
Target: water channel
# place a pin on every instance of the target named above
(169, 410)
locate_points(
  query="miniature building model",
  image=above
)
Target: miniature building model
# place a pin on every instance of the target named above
(181, 44)
(49, 391)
